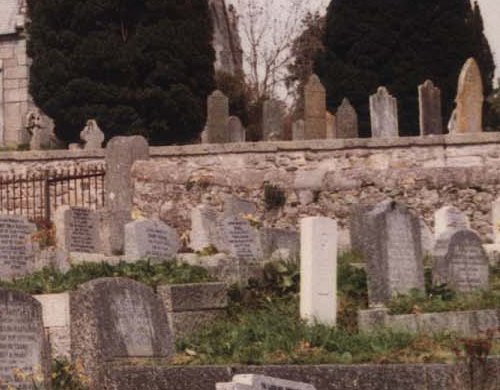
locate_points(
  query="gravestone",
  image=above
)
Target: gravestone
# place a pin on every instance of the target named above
(41, 129)
(116, 318)
(272, 120)
(449, 218)
(150, 239)
(357, 226)
(331, 126)
(235, 129)
(298, 130)
(384, 114)
(392, 251)
(77, 229)
(217, 116)
(495, 215)
(121, 153)
(23, 347)
(315, 109)
(429, 103)
(261, 382)
(241, 239)
(17, 246)
(92, 135)
(469, 100)
(460, 261)
(318, 270)
(347, 120)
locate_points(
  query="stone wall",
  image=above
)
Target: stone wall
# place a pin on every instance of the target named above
(325, 177)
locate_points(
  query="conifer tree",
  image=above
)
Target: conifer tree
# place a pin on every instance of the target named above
(399, 44)
(137, 67)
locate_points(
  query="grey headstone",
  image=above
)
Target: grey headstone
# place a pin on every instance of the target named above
(429, 102)
(234, 206)
(150, 239)
(217, 115)
(357, 226)
(77, 229)
(272, 120)
(347, 121)
(460, 261)
(261, 382)
(331, 126)
(384, 114)
(121, 153)
(236, 130)
(41, 129)
(315, 109)
(23, 344)
(92, 135)
(204, 228)
(241, 239)
(17, 246)
(298, 130)
(116, 318)
(279, 244)
(393, 252)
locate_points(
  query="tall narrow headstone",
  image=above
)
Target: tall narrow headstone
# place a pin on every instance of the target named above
(384, 114)
(315, 109)
(23, 346)
(121, 153)
(318, 270)
(393, 252)
(217, 115)
(347, 120)
(235, 130)
(460, 261)
(495, 216)
(469, 100)
(272, 120)
(331, 126)
(429, 103)
(449, 218)
(92, 135)
(298, 130)
(116, 318)
(77, 229)
(150, 239)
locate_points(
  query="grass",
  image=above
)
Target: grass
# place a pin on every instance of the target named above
(50, 281)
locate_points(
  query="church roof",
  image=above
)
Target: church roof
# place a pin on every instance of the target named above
(9, 9)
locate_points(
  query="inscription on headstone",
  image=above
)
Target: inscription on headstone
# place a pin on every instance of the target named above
(347, 120)
(449, 218)
(384, 114)
(242, 239)
(24, 360)
(150, 239)
(17, 248)
(429, 102)
(460, 261)
(77, 229)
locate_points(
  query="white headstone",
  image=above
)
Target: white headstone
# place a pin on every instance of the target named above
(384, 114)
(318, 270)
(449, 217)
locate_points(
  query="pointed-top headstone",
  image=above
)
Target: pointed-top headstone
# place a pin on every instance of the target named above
(469, 100)
(347, 120)
(384, 114)
(235, 129)
(315, 109)
(272, 120)
(331, 125)
(429, 102)
(217, 115)
(92, 135)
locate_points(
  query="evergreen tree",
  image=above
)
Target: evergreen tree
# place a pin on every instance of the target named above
(399, 44)
(136, 66)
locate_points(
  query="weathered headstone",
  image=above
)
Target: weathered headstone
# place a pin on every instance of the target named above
(92, 135)
(77, 229)
(347, 120)
(384, 114)
(318, 270)
(272, 120)
(449, 218)
(236, 130)
(315, 109)
(393, 252)
(261, 382)
(150, 239)
(429, 103)
(298, 130)
(116, 318)
(41, 129)
(469, 100)
(121, 153)
(217, 115)
(357, 226)
(331, 126)
(460, 261)
(23, 347)
(241, 239)
(17, 246)
(204, 136)
(495, 215)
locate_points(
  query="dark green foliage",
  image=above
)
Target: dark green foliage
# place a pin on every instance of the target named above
(67, 376)
(274, 196)
(137, 67)
(49, 280)
(399, 44)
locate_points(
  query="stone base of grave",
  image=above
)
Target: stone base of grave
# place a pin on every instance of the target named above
(464, 323)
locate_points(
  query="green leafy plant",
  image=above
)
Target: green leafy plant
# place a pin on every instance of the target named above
(68, 376)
